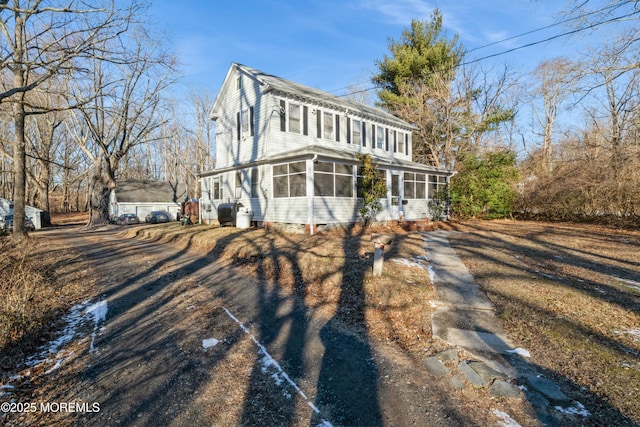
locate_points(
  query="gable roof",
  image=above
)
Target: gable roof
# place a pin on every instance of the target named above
(278, 85)
(148, 191)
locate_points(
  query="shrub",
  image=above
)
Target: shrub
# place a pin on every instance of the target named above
(485, 186)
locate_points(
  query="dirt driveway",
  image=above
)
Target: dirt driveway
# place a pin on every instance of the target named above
(187, 341)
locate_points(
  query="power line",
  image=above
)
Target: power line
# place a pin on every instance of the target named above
(542, 28)
(523, 46)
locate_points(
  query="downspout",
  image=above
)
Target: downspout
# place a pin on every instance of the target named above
(310, 205)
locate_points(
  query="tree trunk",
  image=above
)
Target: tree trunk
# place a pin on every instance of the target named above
(20, 175)
(100, 188)
(19, 156)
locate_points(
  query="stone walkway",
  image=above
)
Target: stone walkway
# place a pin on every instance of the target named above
(465, 319)
(464, 315)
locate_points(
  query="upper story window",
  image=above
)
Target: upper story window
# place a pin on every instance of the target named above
(356, 132)
(329, 126)
(379, 137)
(294, 118)
(245, 123)
(239, 83)
(400, 144)
(244, 118)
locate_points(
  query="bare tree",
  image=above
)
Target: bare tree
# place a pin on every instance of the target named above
(42, 40)
(555, 81)
(121, 113)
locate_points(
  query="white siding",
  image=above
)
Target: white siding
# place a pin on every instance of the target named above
(328, 210)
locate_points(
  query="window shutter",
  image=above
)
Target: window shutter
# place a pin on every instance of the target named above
(305, 120)
(348, 130)
(239, 125)
(395, 141)
(251, 123)
(283, 115)
(406, 144)
(364, 134)
(338, 127)
(318, 123)
(386, 139)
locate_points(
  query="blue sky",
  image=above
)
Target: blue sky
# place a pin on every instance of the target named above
(332, 44)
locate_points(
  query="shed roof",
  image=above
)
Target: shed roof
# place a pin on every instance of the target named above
(327, 153)
(148, 191)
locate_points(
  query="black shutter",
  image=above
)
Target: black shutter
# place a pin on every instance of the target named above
(348, 130)
(386, 139)
(395, 141)
(374, 142)
(251, 124)
(338, 127)
(364, 134)
(283, 115)
(305, 120)
(406, 144)
(239, 125)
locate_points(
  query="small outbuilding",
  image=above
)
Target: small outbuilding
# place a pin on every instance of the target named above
(36, 215)
(140, 197)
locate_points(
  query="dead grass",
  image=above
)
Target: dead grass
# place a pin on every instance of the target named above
(32, 294)
(571, 295)
(331, 270)
(567, 293)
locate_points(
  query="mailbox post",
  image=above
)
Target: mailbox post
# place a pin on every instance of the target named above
(379, 242)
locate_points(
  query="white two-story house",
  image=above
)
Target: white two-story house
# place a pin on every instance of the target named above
(288, 152)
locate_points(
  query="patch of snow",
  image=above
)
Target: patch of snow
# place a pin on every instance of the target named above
(59, 363)
(520, 351)
(413, 262)
(98, 313)
(635, 333)
(432, 273)
(629, 283)
(78, 314)
(504, 419)
(209, 342)
(577, 409)
(277, 373)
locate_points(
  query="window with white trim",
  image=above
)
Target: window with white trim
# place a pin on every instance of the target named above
(415, 185)
(356, 132)
(217, 188)
(332, 179)
(400, 143)
(244, 119)
(436, 185)
(254, 183)
(294, 118)
(379, 137)
(290, 179)
(238, 184)
(328, 126)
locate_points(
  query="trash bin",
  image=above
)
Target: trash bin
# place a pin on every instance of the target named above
(243, 218)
